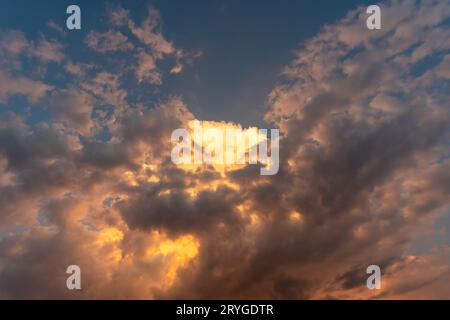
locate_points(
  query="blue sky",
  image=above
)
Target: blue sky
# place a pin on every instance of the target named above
(244, 46)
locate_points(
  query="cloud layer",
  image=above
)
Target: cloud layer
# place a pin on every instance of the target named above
(364, 118)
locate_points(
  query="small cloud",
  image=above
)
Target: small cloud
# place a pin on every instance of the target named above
(52, 25)
(108, 41)
(117, 15)
(47, 50)
(12, 85)
(146, 68)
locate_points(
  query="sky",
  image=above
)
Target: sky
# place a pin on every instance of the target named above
(86, 176)
(243, 46)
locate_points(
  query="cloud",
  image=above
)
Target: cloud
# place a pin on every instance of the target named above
(107, 88)
(151, 46)
(13, 42)
(78, 69)
(73, 108)
(12, 85)
(146, 68)
(47, 50)
(54, 26)
(148, 33)
(108, 41)
(117, 15)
